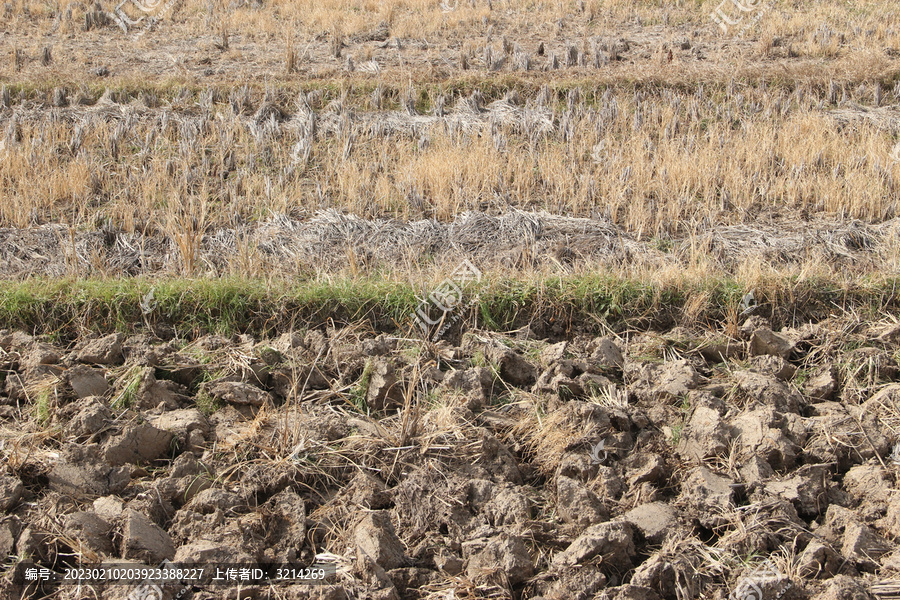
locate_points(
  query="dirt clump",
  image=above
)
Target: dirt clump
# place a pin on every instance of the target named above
(385, 390)
(376, 539)
(503, 557)
(83, 470)
(136, 443)
(237, 392)
(654, 520)
(103, 351)
(144, 540)
(86, 381)
(764, 341)
(11, 490)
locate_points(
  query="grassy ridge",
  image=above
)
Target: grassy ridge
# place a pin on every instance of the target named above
(227, 306)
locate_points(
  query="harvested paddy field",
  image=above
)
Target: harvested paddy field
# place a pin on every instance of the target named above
(588, 300)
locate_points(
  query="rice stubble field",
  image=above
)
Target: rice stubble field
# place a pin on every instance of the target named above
(472, 299)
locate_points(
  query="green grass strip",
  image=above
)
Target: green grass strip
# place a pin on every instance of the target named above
(69, 308)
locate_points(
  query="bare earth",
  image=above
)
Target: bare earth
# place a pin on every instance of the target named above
(647, 466)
